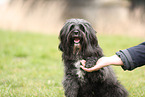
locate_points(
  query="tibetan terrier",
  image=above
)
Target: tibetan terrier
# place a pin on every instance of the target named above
(78, 41)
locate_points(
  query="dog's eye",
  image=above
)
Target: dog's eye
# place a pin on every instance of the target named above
(71, 27)
(82, 28)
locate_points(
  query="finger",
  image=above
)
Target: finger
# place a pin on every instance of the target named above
(86, 69)
(95, 68)
(83, 62)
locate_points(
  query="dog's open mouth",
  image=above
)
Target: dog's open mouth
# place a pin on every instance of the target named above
(76, 40)
(77, 45)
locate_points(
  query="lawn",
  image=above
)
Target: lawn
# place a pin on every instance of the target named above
(31, 65)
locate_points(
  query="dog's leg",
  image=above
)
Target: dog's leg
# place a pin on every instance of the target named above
(71, 86)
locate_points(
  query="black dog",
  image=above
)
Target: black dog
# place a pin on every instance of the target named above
(78, 41)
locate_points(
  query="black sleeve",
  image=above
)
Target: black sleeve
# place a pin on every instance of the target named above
(133, 57)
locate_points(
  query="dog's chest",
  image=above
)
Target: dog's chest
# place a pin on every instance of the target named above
(80, 73)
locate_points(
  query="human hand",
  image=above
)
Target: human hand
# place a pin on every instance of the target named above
(103, 62)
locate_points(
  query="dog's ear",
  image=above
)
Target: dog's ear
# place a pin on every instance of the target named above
(92, 36)
(60, 47)
(60, 38)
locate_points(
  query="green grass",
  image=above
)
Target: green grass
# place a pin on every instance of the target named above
(30, 65)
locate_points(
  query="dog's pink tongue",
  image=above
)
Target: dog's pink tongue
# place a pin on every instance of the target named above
(76, 40)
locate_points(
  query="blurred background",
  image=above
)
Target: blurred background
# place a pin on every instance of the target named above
(121, 17)
(30, 63)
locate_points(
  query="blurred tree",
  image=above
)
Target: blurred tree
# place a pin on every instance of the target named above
(137, 4)
(74, 8)
(31, 4)
(79, 8)
(137, 8)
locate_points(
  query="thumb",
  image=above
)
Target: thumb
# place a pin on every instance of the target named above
(83, 62)
(95, 68)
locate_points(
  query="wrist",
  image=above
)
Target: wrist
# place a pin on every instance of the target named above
(115, 60)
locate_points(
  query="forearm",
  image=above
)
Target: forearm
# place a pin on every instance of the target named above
(115, 60)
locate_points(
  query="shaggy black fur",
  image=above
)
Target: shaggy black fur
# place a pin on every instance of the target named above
(78, 41)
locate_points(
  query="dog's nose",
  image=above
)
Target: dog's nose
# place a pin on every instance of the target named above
(76, 32)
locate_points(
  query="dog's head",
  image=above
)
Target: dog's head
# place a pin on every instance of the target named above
(78, 37)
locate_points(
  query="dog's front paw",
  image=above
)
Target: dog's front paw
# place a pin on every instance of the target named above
(90, 62)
